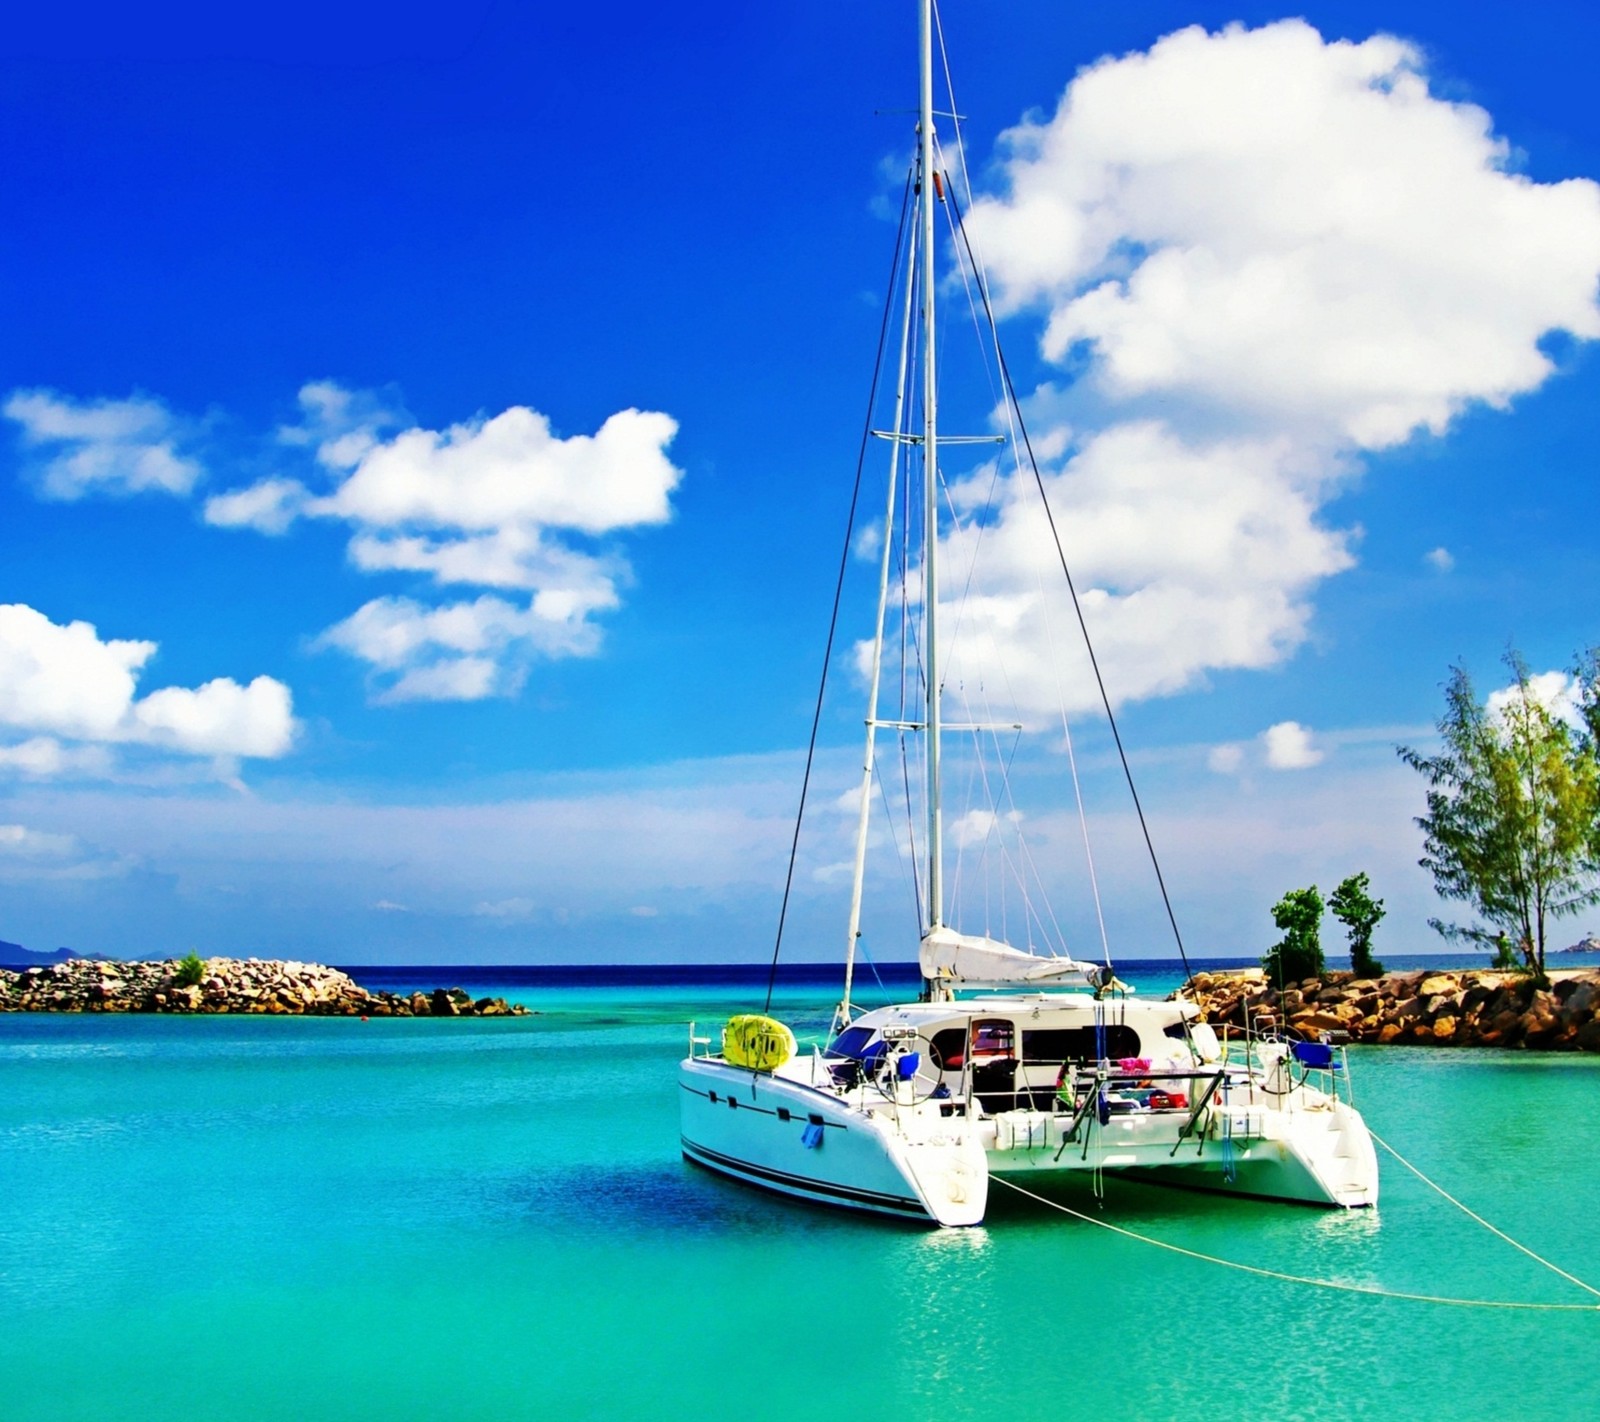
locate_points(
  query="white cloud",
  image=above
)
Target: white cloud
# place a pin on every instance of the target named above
(44, 757)
(1190, 558)
(63, 682)
(1261, 255)
(511, 470)
(972, 828)
(1557, 692)
(40, 854)
(515, 910)
(1275, 223)
(1439, 559)
(19, 842)
(1225, 759)
(115, 447)
(268, 507)
(463, 651)
(1289, 747)
(501, 502)
(219, 718)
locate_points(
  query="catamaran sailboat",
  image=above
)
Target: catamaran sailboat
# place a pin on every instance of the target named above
(1013, 1062)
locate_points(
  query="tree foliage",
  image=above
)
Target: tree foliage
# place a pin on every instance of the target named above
(1298, 954)
(1353, 905)
(1513, 807)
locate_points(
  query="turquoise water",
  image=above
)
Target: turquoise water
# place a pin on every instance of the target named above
(298, 1218)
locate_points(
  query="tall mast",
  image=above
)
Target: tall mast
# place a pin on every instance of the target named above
(896, 440)
(930, 467)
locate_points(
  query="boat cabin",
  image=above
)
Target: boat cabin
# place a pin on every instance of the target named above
(1022, 1052)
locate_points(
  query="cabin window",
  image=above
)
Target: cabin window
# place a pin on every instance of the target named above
(950, 1046)
(1079, 1044)
(993, 1037)
(851, 1042)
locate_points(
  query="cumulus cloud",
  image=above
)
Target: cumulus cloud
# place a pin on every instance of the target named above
(268, 507)
(63, 683)
(1439, 559)
(1191, 558)
(462, 651)
(501, 502)
(118, 447)
(1260, 255)
(1289, 747)
(1557, 692)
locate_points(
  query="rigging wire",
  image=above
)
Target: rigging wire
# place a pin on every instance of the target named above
(1072, 588)
(838, 594)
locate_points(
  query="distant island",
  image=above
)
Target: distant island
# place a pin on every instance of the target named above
(14, 955)
(250, 986)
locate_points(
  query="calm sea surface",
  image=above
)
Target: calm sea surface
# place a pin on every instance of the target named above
(299, 1218)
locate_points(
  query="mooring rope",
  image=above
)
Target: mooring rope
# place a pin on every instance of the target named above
(1472, 1214)
(1373, 1290)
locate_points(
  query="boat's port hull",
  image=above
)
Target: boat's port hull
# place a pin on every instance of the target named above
(787, 1136)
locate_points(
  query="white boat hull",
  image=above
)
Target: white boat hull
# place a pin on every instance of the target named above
(785, 1135)
(1320, 1154)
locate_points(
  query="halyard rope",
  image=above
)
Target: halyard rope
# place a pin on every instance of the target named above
(1372, 1290)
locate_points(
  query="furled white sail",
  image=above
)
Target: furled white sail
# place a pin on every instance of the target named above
(951, 957)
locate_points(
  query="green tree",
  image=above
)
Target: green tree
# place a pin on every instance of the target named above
(1360, 913)
(1299, 953)
(191, 971)
(1513, 800)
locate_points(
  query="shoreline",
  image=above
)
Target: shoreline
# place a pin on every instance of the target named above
(1475, 1007)
(271, 987)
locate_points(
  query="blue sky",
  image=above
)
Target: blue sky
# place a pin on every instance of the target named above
(443, 418)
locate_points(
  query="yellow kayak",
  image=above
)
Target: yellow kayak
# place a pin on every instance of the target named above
(761, 1043)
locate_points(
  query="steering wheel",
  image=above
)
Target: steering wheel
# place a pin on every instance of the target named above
(922, 1083)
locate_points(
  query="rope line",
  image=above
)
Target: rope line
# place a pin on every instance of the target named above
(1474, 1215)
(1372, 1290)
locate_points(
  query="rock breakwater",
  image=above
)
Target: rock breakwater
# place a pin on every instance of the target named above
(263, 986)
(1476, 1008)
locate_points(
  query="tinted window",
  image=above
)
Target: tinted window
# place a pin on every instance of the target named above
(851, 1042)
(992, 1037)
(951, 1047)
(1079, 1044)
